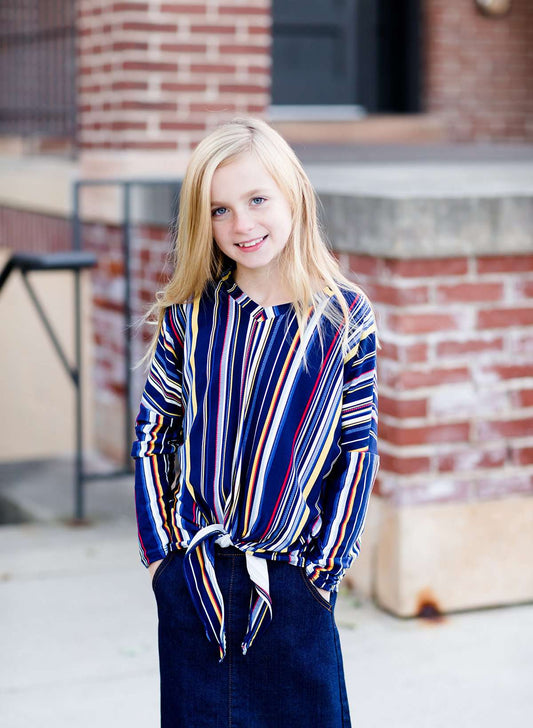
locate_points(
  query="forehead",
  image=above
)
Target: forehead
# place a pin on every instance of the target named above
(241, 175)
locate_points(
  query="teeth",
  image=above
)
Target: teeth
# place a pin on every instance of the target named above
(250, 244)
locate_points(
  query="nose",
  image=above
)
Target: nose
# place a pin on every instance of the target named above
(242, 222)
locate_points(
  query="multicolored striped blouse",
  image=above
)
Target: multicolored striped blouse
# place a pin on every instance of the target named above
(247, 436)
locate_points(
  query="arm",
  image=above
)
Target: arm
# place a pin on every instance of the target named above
(157, 431)
(349, 484)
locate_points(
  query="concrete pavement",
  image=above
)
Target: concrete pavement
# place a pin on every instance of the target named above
(78, 630)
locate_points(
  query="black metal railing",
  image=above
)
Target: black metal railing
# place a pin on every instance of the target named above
(38, 68)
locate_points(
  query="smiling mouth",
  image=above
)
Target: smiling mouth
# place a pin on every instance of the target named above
(251, 243)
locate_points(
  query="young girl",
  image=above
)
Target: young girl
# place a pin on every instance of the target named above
(256, 445)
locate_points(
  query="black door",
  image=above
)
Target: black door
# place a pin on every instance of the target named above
(354, 52)
(313, 52)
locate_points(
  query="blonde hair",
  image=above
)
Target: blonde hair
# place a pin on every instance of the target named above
(306, 264)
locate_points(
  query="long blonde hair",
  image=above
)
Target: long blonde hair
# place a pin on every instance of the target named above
(306, 264)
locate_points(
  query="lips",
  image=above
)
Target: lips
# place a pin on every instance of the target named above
(251, 244)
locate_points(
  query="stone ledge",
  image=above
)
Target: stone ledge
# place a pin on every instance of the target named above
(428, 227)
(395, 211)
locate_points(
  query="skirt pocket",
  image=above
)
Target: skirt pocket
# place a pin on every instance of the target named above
(313, 591)
(161, 568)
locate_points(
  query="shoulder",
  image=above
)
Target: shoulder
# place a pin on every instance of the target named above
(173, 325)
(355, 308)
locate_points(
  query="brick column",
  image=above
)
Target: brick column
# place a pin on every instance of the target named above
(155, 76)
(451, 520)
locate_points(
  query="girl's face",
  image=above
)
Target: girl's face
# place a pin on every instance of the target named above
(251, 219)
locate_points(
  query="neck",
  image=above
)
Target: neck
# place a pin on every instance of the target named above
(264, 287)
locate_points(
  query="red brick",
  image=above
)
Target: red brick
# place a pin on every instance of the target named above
(428, 268)
(404, 465)
(389, 351)
(214, 29)
(162, 145)
(129, 46)
(414, 353)
(149, 105)
(402, 408)
(522, 455)
(505, 428)
(91, 89)
(397, 296)
(183, 47)
(511, 371)
(115, 268)
(129, 86)
(207, 107)
(411, 379)
(117, 388)
(471, 346)
(149, 66)
(259, 30)
(185, 9)
(429, 434)
(261, 70)
(107, 304)
(125, 125)
(527, 289)
(244, 10)
(181, 126)
(150, 27)
(503, 317)
(179, 87)
(421, 323)
(505, 264)
(212, 68)
(364, 265)
(525, 397)
(466, 292)
(255, 109)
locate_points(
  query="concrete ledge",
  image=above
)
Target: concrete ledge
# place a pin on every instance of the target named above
(428, 228)
(391, 210)
(454, 556)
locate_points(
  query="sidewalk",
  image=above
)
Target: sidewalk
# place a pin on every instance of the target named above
(78, 630)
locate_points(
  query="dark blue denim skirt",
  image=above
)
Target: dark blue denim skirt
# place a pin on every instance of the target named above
(291, 677)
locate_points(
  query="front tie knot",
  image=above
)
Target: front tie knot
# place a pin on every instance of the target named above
(199, 567)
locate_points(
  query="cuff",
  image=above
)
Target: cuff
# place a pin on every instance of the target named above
(321, 578)
(149, 557)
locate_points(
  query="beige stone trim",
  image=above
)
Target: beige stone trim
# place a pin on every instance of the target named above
(454, 555)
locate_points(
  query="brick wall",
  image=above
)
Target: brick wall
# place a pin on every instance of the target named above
(157, 75)
(479, 70)
(456, 375)
(148, 266)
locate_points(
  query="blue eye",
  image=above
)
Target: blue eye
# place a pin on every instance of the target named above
(258, 200)
(219, 211)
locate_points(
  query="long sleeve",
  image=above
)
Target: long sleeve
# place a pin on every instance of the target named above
(349, 484)
(157, 429)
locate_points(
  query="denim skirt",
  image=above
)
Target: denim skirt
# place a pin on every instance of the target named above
(292, 675)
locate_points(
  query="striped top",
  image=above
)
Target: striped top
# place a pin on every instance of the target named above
(243, 440)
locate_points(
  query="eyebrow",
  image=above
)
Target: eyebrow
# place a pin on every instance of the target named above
(252, 193)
